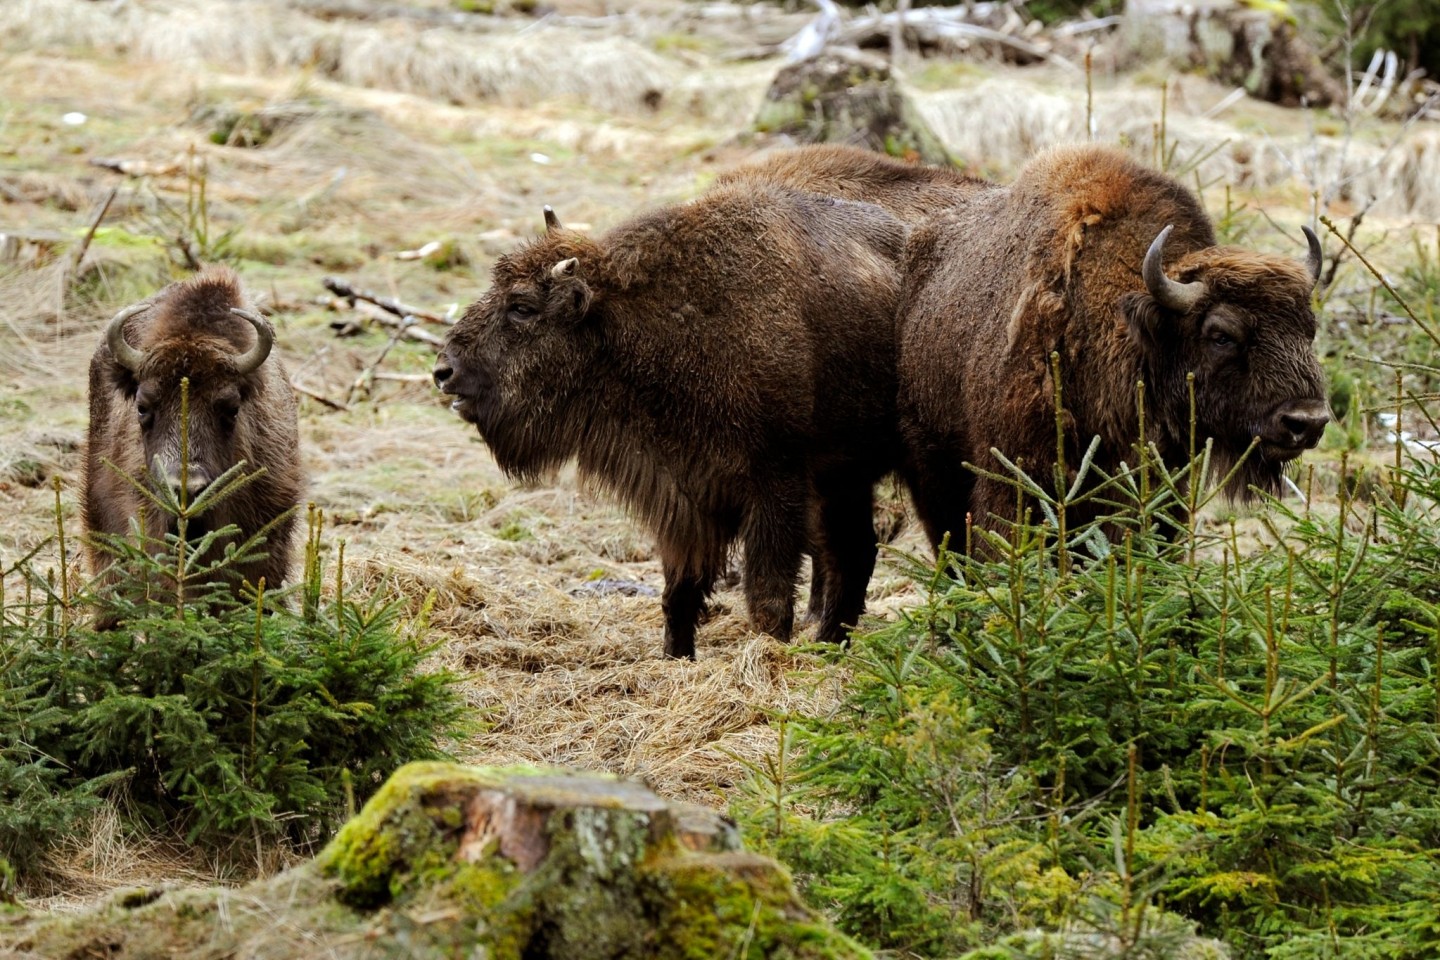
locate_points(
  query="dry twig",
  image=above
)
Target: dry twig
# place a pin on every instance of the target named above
(342, 288)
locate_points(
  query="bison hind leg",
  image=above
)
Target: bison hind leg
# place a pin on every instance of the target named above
(686, 590)
(775, 534)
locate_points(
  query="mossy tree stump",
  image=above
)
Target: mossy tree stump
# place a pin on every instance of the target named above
(845, 96)
(449, 861)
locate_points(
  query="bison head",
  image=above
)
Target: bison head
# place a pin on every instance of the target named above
(1242, 323)
(207, 349)
(523, 361)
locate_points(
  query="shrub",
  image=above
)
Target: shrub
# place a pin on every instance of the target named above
(258, 718)
(1078, 746)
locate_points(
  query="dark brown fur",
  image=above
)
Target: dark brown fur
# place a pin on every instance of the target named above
(188, 331)
(718, 366)
(910, 191)
(1052, 263)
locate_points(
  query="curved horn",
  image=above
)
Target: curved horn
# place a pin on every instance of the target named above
(563, 269)
(1179, 297)
(1316, 258)
(251, 359)
(124, 354)
(552, 222)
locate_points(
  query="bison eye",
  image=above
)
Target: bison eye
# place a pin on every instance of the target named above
(227, 412)
(522, 312)
(146, 414)
(1223, 340)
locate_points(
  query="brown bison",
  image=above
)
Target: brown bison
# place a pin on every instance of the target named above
(240, 407)
(910, 191)
(1114, 267)
(719, 366)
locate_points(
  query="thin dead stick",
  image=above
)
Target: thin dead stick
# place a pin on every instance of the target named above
(94, 225)
(404, 377)
(342, 288)
(1383, 282)
(367, 376)
(407, 325)
(318, 397)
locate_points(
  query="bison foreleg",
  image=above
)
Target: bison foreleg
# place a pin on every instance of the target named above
(847, 553)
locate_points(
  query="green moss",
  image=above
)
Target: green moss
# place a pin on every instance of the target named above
(738, 905)
(406, 830)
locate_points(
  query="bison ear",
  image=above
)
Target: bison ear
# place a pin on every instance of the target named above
(567, 283)
(1144, 321)
(580, 298)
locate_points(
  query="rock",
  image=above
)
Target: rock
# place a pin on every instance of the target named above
(845, 96)
(502, 863)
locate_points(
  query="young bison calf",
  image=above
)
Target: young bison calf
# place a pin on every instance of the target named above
(719, 366)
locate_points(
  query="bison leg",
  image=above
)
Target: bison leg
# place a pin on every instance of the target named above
(815, 609)
(849, 550)
(682, 601)
(942, 491)
(775, 534)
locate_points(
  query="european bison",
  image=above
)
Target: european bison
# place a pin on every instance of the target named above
(241, 407)
(1073, 258)
(719, 366)
(910, 191)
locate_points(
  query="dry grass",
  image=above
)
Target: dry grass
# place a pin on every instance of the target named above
(995, 123)
(513, 64)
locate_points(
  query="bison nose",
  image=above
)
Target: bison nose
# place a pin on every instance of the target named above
(196, 483)
(1304, 421)
(443, 372)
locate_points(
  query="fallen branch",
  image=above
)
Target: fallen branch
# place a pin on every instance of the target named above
(404, 377)
(342, 288)
(317, 397)
(366, 380)
(369, 311)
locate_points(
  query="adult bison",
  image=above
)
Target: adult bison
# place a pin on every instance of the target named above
(719, 366)
(910, 191)
(240, 407)
(1114, 267)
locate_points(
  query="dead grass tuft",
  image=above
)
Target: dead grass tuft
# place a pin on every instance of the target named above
(998, 123)
(614, 74)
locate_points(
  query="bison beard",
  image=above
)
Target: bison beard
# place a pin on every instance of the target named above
(240, 407)
(1077, 258)
(724, 368)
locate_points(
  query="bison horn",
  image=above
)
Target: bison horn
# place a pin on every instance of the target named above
(552, 222)
(251, 359)
(124, 354)
(1179, 297)
(1316, 259)
(563, 269)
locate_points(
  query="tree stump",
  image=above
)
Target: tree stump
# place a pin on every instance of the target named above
(845, 96)
(509, 863)
(1249, 47)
